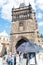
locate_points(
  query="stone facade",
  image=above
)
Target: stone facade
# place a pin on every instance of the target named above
(24, 27)
(4, 42)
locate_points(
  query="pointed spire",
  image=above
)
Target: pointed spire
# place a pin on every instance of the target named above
(29, 4)
(30, 7)
(13, 8)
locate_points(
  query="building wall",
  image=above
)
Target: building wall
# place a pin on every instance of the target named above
(4, 42)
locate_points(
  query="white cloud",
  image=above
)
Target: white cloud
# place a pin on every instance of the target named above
(39, 1)
(6, 9)
(31, 2)
(7, 5)
(40, 24)
(2, 2)
(39, 15)
(39, 4)
(6, 12)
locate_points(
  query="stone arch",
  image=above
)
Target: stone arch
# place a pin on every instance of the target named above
(20, 41)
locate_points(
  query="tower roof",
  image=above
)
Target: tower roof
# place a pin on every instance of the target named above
(22, 5)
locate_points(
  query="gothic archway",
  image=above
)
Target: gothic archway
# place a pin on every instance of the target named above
(22, 40)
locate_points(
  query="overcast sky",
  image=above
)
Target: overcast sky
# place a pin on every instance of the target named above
(5, 12)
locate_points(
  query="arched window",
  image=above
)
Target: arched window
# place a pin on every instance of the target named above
(5, 51)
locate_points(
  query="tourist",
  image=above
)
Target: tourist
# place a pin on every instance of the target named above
(8, 60)
(27, 62)
(21, 59)
(15, 59)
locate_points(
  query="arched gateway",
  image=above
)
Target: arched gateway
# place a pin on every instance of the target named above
(22, 40)
(24, 27)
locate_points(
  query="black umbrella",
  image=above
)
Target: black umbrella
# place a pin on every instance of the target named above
(27, 47)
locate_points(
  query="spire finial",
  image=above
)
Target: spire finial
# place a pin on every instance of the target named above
(29, 4)
(13, 8)
(30, 7)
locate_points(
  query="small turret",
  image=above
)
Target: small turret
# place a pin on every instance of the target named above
(30, 8)
(30, 11)
(32, 14)
(13, 13)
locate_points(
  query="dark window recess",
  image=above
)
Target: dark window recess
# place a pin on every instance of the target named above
(38, 40)
(17, 16)
(21, 23)
(5, 51)
(30, 17)
(37, 32)
(30, 11)
(36, 20)
(38, 36)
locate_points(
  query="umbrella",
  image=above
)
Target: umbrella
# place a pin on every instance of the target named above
(28, 47)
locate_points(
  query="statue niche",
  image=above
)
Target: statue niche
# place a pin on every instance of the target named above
(21, 26)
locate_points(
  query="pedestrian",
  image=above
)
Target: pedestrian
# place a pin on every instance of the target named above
(15, 59)
(21, 58)
(8, 60)
(27, 59)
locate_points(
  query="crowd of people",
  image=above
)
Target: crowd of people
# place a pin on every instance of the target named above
(18, 59)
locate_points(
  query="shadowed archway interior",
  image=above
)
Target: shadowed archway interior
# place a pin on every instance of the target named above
(22, 40)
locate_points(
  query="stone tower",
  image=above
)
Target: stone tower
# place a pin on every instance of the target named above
(24, 27)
